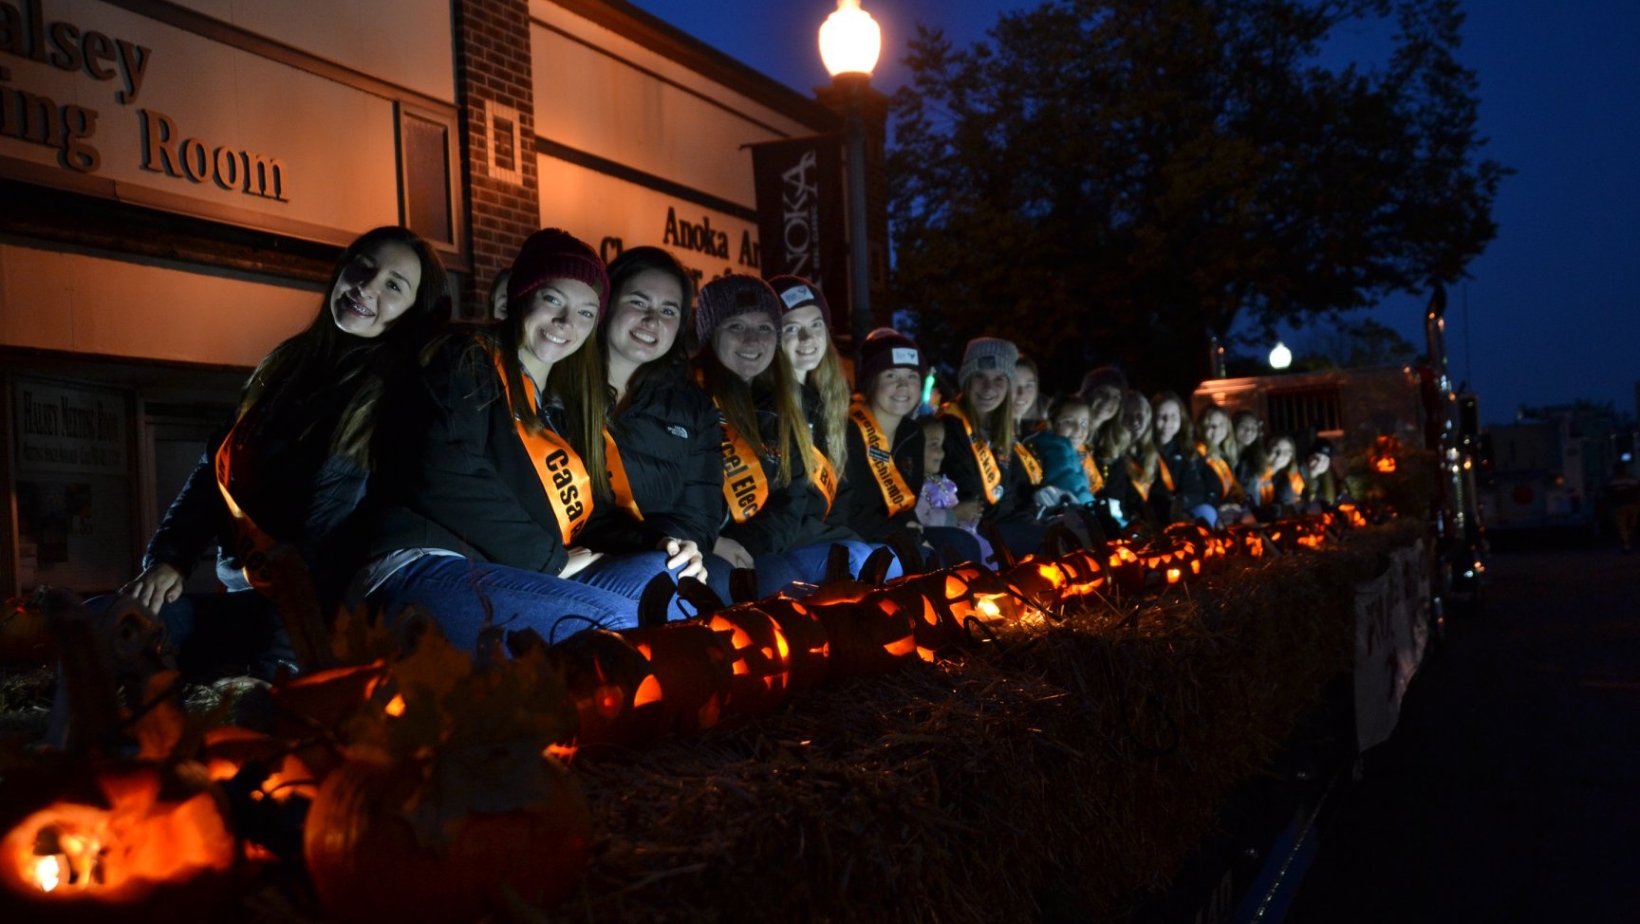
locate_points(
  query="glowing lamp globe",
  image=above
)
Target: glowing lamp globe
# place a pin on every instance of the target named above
(1281, 357)
(850, 40)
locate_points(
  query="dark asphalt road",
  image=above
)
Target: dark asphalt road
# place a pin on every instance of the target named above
(1511, 790)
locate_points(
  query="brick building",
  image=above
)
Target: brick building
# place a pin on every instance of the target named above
(178, 176)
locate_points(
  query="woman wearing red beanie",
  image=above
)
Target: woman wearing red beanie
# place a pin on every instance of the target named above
(497, 464)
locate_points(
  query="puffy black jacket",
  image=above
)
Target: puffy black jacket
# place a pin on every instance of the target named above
(1185, 465)
(670, 440)
(288, 483)
(1016, 504)
(452, 473)
(778, 524)
(860, 506)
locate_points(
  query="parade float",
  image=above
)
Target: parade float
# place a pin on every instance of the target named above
(1059, 736)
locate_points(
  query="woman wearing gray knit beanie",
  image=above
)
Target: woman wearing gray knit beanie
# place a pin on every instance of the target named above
(992, 486)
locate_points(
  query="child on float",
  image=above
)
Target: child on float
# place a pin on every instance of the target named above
(979, 446)
(497, 460)
(1217, 448)
(295, 460)
(955, 541)
(662, 441)
(765, 434)
(1178, 494)
(817, 373)
(1060, 452)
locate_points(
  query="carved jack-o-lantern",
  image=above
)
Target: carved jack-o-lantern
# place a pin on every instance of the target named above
(760, 658)
(616, 693)
(113, 840)
(918, 596)
(869, 633)
(314, 706)
(808, 645)
(1127, 569)
(693, 669)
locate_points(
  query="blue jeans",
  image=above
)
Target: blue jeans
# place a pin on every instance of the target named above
(808, 563)
(629, 574)
(465, 596)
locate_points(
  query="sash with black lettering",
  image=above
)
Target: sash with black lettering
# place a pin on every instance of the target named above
(897, 496)
(562, 473)
(619, 484)
(251, 544)
(824, 476)
(1033, 468)
(745, 486)
(1090, 467)
(989, 471)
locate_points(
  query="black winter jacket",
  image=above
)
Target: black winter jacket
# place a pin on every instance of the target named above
(1017, 505)
(671, 446)
(1188, 492)
(860, 506)
(287, 482)
(777, 525)
(452, 473)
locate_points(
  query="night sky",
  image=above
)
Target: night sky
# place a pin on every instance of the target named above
(1553, 308)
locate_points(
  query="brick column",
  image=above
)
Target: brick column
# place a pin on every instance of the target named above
(496, 92)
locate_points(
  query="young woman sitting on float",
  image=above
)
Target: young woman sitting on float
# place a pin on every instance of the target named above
(495, 463)
(292, 468)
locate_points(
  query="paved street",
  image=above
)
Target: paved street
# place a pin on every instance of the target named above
(1511, 790)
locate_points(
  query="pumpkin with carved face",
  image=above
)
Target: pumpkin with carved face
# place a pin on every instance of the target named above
(118, 840)
(616, 693)
(760, 659)
(694, 670)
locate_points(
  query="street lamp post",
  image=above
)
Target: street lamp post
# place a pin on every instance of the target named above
(850, 42)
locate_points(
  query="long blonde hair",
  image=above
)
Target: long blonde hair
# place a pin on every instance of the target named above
(735, 400)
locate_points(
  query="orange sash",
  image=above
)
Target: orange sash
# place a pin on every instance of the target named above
(897, 496)
(251, 544)
(1165, 472)
(618, 482)
(824, 476)
(1140, 483)
(1033, 468)
(1228, 488)
(1267, 488)
(745, 486)
(562, 474)
(1090, 467)
(989, 472)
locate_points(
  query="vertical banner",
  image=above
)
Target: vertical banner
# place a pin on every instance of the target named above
(800, 202)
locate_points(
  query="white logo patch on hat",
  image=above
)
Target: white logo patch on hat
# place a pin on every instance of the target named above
(797, 295)
(905, 356)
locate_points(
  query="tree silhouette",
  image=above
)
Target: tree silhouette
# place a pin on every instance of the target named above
(1115, 180)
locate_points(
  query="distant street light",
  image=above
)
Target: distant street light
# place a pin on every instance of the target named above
(1280, 357)
(850, 42)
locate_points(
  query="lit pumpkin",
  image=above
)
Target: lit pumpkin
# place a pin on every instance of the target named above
(616, 694)
(692, 667)
(808, 645)
(25, 633)
(760, 658)
(312, 707)
(229, 749)
(870, 634)
(442, 841)
(116, 841)
(1126, 568)
(935, 631)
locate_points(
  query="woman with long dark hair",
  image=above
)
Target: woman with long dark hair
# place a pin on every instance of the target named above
(663, 448)
(497, 462)
(293, 467)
